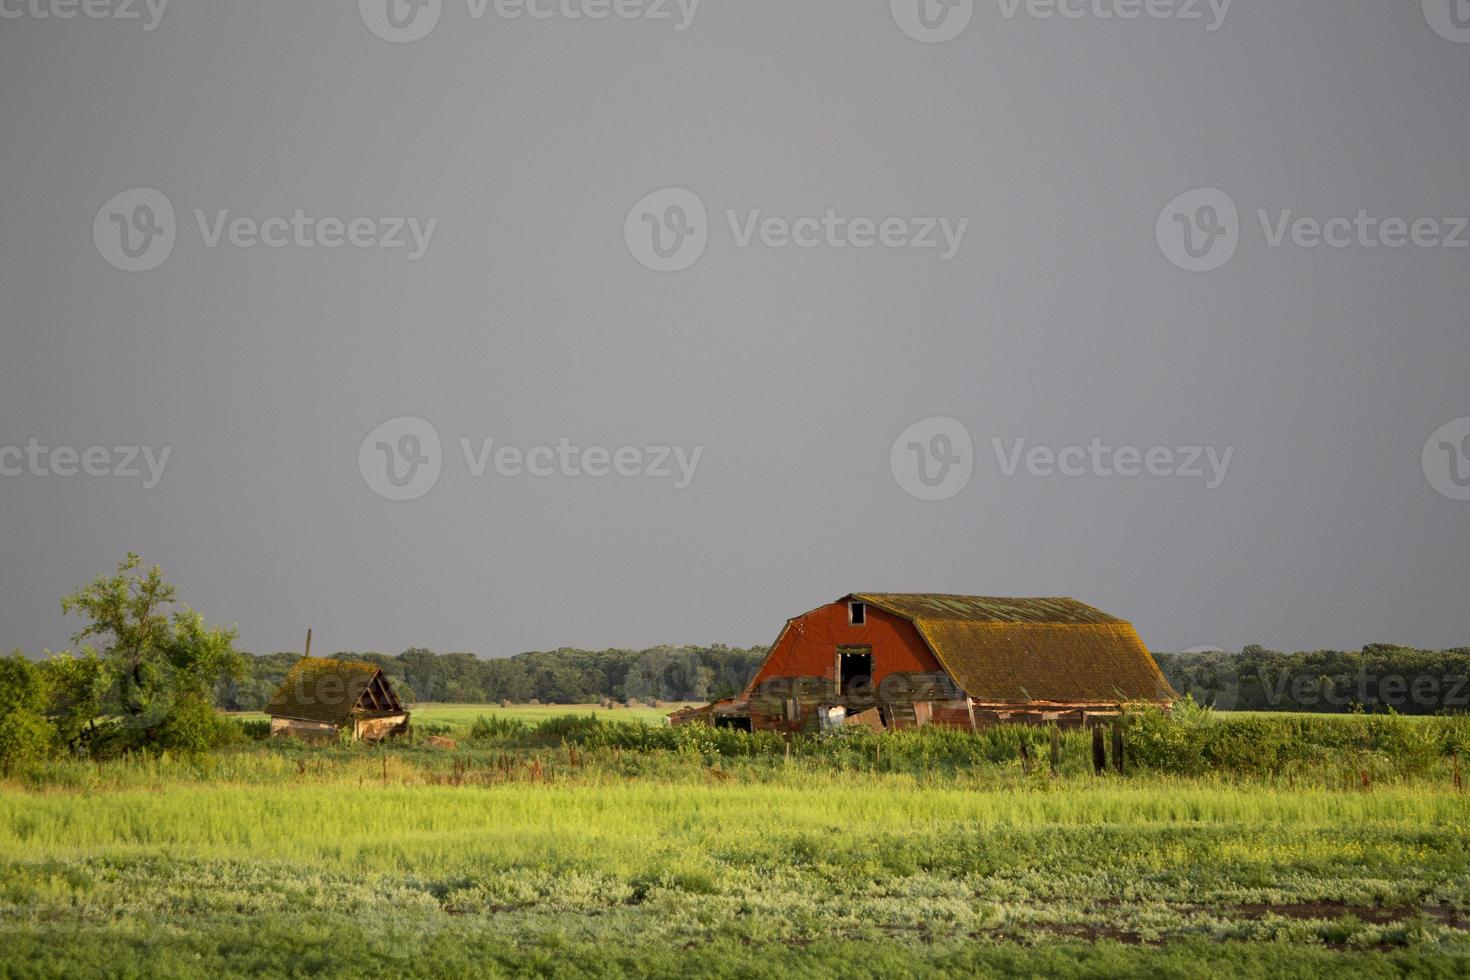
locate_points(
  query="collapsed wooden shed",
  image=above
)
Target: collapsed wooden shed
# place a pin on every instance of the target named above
(322, 698)
(893, 660)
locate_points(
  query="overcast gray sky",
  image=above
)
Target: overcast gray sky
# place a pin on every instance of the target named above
(806, 262)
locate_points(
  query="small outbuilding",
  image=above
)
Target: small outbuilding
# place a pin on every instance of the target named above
(322, 698)
(886, 660)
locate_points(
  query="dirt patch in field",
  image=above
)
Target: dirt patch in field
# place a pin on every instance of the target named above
(1377, 915)
(1091, 934)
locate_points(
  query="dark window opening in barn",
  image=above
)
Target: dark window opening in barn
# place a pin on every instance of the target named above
(735, 721)
(854, 672)
(857, 613)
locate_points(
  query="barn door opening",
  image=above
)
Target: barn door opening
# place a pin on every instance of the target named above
(854, 670)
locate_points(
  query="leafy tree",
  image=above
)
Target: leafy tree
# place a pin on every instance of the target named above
(75, 686)
(161, 662)
(24, 732)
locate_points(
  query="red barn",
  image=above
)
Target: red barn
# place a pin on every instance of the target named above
(901, 661)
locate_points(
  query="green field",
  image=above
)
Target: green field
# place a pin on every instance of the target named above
(464, 714)
(595, 850)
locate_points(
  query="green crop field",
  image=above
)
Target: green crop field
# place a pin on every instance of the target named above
(575, 847)
(463, 714)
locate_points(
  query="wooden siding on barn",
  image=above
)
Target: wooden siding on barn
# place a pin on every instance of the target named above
(808, 645)
(302, 728)
(372, 729)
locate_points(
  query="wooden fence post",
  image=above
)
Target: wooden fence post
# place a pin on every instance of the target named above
(1025, 756)
(1118, 745)
(1099, 752)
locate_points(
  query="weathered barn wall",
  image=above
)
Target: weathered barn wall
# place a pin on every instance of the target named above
(801, 672)
(303, 729)
(808, 645)
(372, 729)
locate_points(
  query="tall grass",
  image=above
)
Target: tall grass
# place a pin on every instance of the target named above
(590, 849)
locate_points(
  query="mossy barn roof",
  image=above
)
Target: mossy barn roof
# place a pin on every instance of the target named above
(319, 689)
(1024, 650)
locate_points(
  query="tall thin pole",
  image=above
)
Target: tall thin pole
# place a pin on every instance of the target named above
(308, 642)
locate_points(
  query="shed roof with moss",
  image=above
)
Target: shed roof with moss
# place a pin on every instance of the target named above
(332, 691)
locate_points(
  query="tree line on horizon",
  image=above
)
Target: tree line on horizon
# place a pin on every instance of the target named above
(1380, 677)
(1377, 678)
(564, 676)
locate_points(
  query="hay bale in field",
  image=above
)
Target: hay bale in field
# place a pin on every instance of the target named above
(506, 703)
(656, 703)
(440, 742)
(534, 701)
(634, 703)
